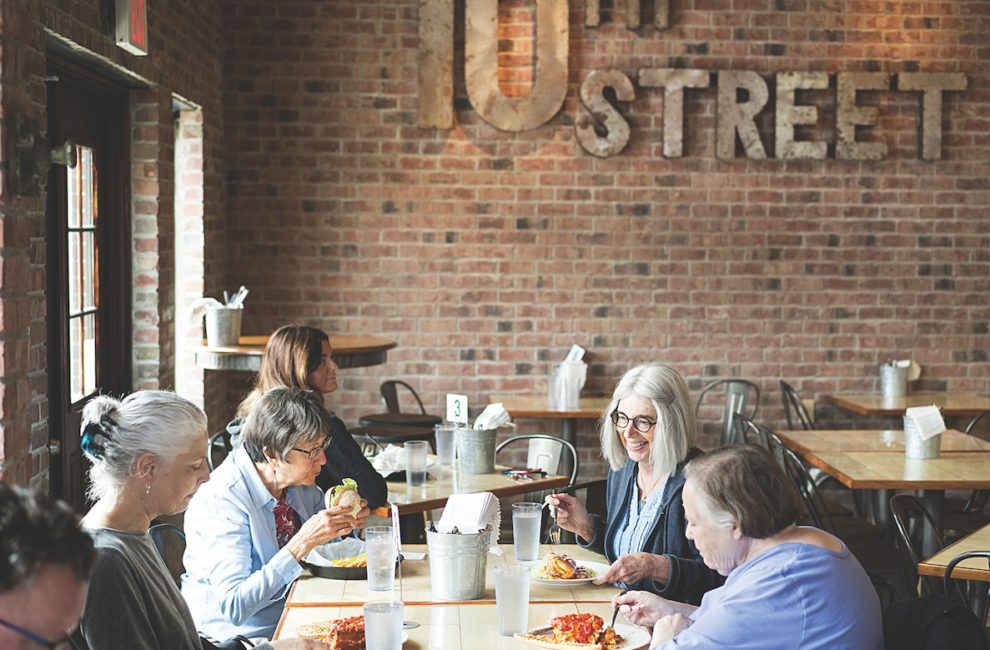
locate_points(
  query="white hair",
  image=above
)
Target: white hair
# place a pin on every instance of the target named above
(676, 426)
(116, 432)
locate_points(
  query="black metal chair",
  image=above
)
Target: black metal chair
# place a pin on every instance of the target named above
(972, 592)
(912, 521)
(545, 452)
(979, 427)
(794, 408)
(170, 542)
(218, 448)
(740, 396)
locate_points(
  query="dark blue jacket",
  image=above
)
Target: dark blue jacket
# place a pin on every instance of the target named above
(689, 577)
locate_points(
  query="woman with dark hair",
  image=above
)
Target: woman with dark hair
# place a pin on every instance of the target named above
(788, 586)
(300, 356)
(647, 437)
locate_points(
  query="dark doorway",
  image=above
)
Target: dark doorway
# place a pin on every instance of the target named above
(88, 266)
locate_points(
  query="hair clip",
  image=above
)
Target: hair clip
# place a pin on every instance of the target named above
(93, 429)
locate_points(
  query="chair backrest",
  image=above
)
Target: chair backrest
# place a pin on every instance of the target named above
(798, 472)
(980, 426)
(973, 593)
(170, 542)
(912, 520)
(545, 452)
(741, 396)
(218, 448)
(794, 408)
(390, 395)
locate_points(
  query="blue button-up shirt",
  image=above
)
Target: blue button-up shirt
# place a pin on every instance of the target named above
(237, 578)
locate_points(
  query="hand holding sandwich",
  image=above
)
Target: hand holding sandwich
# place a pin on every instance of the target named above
(345, 511)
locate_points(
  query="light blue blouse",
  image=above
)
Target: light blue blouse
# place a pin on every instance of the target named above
(632, 534)
(237, 578)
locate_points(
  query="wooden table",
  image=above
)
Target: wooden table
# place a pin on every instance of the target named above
(973, 569)
(963, 464)
(310, 591)
(952, 404)
(348, 352)
(447, 481)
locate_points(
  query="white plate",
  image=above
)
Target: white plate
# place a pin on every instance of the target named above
(400, 466)
(633, 638)
(598, 568)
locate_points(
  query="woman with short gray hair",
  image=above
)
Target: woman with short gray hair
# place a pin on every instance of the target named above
(788, 586)
(647, 436)
(249, 529)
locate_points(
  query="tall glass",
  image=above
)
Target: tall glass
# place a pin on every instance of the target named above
(512, 598)
(415, 451)
(383, 625)
(443, 434)
(526, 518)
(380, 546)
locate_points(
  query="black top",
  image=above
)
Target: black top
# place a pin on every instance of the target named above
(344, 460)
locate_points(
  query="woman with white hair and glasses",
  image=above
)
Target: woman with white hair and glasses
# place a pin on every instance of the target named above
(647, 432)
(261, 513)
(148, 454)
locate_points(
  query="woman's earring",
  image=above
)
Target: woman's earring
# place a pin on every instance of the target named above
(147, 487)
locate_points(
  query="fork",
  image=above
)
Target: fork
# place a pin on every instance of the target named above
(554, 535)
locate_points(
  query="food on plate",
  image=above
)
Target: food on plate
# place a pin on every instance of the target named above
(341, 634)
(345, 494)
(558, 566)
(577, 632)
(351, 562)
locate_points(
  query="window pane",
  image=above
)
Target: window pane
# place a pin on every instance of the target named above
(75, 302)
(89, 353)
(88, 279)
(89, 197)
(75, 356)
(72, 192)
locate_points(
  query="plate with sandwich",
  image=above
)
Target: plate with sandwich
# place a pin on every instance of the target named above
(558, 570)
(585, 632)
(343, 558)
(339, 634)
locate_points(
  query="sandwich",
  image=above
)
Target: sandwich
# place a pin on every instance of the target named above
(345, 494)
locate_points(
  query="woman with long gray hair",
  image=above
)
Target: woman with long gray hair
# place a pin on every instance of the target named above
(647, 432)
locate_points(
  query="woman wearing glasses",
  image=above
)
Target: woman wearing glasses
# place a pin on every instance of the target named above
(646, 437)
(248, 529)
(299, 356)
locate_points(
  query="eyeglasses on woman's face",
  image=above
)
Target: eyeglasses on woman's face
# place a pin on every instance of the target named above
(61, 644)
(641, 423)
(314, 453)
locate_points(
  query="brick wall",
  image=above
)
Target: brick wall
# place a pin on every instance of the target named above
(486, 253)
(185, 45)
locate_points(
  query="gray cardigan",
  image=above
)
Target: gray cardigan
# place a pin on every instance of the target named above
(689, 577)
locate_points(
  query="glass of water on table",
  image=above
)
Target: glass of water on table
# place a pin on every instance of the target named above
(379, 543)
(526, 519)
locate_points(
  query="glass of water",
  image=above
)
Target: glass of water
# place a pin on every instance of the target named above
(415, 451)
(383, 625)
(512, 598)
(526, 519)
(379, 543)
(443, 435)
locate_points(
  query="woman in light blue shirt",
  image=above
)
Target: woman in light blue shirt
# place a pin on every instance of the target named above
(261, 513)
(787, 586)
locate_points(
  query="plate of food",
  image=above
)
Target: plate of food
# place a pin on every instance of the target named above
(558, 570)
(339, 634)
(585, 632)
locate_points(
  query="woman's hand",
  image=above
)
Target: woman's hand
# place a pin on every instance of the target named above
(644, 608)
(322, 527)
(362, 515)
(668, 627)
(633, 567)
(571, 515)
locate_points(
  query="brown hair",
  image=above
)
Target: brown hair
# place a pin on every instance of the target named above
(743, 484)
(293, 351)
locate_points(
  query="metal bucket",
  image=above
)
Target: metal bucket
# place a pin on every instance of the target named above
(915, 446)
(223, 326)
(893, 382)
(476, 450)
(457, 565)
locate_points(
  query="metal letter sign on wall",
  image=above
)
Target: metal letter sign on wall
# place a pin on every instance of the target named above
(132, 26)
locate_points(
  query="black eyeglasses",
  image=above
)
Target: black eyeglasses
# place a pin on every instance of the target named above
(641, 423)
(314, 453)
(61, 644)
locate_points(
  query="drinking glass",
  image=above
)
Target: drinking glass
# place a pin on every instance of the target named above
(383, 625)
(444, 436)
(415, 462)
(512, 598)
(380, 546)
(526, 518)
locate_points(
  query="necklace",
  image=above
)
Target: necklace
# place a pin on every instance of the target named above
(644, 491)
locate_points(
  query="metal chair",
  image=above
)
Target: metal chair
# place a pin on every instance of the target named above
(794, 408)
(912, 520)
(973, 593)
(980, 427)
(218, 448)
(170, 542)
(390, 395)
(545, 452)
(740, 396)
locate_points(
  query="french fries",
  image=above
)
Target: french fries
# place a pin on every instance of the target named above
(351, 562)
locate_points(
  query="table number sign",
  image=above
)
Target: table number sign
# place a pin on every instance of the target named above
(132, 26)
(457, 408)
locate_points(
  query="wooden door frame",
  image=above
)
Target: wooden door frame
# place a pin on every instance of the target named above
(114, 325)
